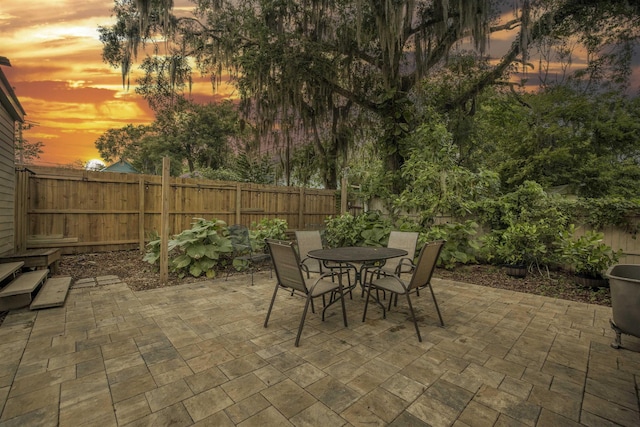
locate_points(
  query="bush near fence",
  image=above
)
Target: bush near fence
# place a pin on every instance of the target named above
(615, 237)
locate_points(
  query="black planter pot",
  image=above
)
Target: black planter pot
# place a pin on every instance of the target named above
(591, 282)
(518, 271)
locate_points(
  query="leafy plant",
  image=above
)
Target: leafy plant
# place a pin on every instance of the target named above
(461, 244)
(519, 245)
(436, 182)
(615, 211)
(367, 229)
(588, 254)
(526, 226)
(340, 231)
(374, 229)
(196, 250)
(266, 228)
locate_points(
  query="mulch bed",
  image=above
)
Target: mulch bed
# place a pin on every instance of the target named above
(139, 275)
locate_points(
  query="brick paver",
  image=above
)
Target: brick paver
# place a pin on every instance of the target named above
(198, 354)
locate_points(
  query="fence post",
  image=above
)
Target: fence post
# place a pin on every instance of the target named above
(238, 203)
(164, 233)
(301, 224)
(343, 193)
(21, 219)
(141, 200)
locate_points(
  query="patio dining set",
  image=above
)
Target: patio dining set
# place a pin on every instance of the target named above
(310, 270)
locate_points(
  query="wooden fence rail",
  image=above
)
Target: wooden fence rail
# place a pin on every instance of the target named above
(85, 211)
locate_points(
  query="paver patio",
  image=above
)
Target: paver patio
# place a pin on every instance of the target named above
(198, 354)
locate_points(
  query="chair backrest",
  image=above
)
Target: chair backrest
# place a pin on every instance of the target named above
(426, 264)
(308, 241)
(406, 240)
(286, 263)
(240, 240)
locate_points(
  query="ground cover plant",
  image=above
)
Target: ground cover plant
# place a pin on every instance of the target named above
(206, 248)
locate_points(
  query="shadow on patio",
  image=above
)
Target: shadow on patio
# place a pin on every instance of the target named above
(198, 354)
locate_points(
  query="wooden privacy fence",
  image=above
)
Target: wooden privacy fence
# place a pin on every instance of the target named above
(84, 211)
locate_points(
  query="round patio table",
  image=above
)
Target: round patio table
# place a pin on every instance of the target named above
(367, 256)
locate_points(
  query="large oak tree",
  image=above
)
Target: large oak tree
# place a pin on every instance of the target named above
(307, 66)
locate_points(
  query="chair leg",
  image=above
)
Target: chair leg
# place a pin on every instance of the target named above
(413, 316)
(341, 274)
(333, 299)
(366, 302)
(436, 304)
(344, 309)
(304, 315)
(363, 279)
(273, 298)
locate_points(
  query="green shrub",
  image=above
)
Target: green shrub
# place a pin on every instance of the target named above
(367, 229)
(461, 244)
(588, 254)
(196, 250)
(615, 211)
(526, 226)
(519, 244)
(267, 228)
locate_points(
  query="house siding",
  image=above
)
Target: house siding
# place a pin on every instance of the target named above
(10, 112)
(8, 183)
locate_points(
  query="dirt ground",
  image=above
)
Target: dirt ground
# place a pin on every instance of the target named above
(139, 275)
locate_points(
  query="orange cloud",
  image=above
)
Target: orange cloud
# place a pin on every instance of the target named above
(58, 74)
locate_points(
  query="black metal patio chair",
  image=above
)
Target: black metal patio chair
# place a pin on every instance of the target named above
(420, 278)
(290, 275)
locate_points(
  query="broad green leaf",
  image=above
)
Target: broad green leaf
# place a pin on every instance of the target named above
(151, 257)
(195, 270)
(196, 251)
(206, 263)
(211, 251)
(182, 261)
(240, 264)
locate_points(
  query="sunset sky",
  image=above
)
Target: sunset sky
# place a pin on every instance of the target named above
(59, 77)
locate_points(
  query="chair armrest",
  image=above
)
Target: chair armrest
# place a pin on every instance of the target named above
(304, 267)
(405, 262)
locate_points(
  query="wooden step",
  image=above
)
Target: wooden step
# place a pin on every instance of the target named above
(36, 258)
(20, 291)
(53, 293)
(9, 268)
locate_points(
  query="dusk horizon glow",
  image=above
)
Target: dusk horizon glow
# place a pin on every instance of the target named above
(69, 94)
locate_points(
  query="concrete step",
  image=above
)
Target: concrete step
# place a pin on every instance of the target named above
(53, 293)
(20, 291)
